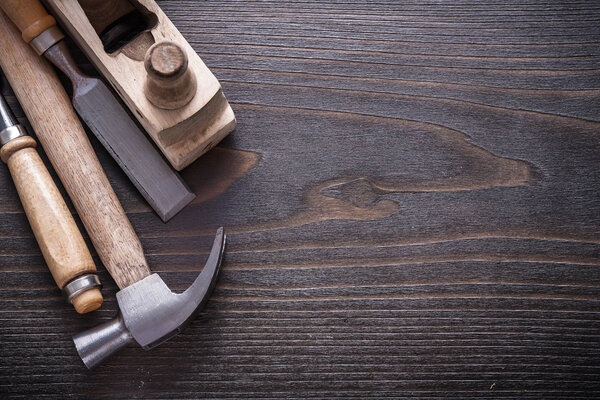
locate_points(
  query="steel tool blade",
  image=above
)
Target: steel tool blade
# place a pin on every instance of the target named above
(164, 190)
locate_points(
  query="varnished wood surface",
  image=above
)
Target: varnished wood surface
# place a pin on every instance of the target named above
(412, 205)
(52, 224)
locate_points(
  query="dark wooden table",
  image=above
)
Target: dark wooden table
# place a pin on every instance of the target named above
(412, 203)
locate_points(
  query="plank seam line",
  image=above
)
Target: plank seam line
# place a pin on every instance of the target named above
(421, 55)
(426, 98)
(354, 39)
(583, 71)
(394, 80)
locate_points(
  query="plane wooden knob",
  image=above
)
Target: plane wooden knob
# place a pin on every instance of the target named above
(169, 83)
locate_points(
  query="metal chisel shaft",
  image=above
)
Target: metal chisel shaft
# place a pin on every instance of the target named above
(58, 129)
(160, 185)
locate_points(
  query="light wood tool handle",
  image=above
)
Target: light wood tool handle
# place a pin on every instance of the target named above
(58, 129)
(55, 230)
(29, 15)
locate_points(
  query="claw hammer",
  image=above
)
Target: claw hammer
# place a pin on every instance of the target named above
(150, 313)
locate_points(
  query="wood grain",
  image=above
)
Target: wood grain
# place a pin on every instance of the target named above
(411, 202)
(54, 120)
(183, 131)
(55, 231)
(102, 13)
(169, 83)
(29, 16)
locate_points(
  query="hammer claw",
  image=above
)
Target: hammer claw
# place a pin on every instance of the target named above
(198, 293)
(150, 313)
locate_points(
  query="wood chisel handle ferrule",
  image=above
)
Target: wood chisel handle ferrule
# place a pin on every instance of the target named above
(53, 225)
(102, 112)
(30, 16)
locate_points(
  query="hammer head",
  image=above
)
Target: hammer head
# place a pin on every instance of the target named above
(150, 313)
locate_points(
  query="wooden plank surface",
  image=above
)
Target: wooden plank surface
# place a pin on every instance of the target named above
(412, 203)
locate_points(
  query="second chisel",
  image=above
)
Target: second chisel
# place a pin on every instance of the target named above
(62, 245)
(58, 129)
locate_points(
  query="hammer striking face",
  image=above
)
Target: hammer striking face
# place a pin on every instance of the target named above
(150, 313)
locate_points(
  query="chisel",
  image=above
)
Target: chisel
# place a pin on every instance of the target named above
(162, 187)
(59, 131)
(53, 226)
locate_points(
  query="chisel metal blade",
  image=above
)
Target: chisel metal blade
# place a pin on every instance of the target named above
(105, 116)
(162, 187)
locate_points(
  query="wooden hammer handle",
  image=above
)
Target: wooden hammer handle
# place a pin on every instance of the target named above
(29, 15)
(58, 129)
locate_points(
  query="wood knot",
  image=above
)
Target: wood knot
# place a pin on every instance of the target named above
(169, 84)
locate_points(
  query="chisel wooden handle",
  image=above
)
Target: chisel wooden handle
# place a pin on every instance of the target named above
(29, 15)
(59, 131)
(62, 245)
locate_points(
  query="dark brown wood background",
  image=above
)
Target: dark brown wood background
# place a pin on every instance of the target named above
(412, 205)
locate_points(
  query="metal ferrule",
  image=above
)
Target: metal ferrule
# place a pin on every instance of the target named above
(81, 284)
(9, 127)
(7, 119)
(10, 133)
(47, 39)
